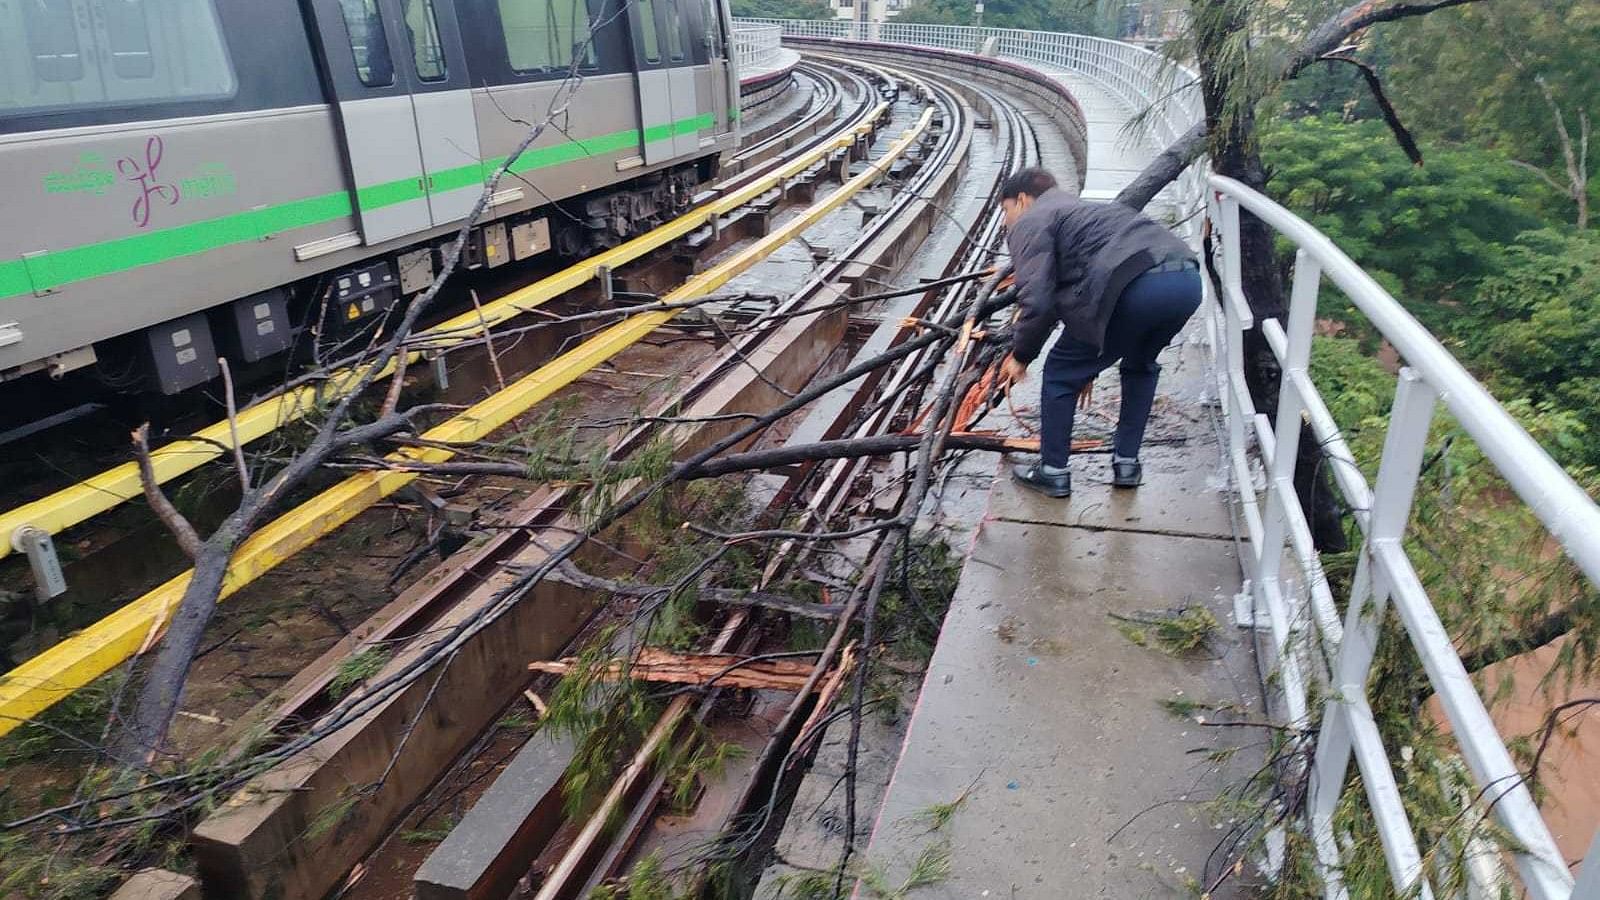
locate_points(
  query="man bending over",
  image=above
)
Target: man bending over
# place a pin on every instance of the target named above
(1121, 285)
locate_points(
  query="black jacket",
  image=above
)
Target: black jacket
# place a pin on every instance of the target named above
(1073, 258)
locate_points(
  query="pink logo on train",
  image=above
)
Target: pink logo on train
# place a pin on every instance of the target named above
(145, 177)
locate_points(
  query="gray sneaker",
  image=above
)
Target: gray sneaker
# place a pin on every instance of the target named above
(1126, 473)
(1032, 477)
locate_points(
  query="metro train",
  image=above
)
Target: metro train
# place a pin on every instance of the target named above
(192, 178)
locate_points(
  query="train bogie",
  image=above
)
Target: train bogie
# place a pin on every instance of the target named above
(249, 159)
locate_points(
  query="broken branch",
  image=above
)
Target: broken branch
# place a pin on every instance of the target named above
(723, 669)
(188, 539)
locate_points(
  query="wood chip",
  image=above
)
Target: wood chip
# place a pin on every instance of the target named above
(536, 702)
(830, 689)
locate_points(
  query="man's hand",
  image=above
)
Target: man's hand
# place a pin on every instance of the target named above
(1086, 396)
(1011, 371)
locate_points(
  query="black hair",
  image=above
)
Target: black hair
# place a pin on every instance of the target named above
(1032, 182)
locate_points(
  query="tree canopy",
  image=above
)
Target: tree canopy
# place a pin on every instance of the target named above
(782, 9)
(1471, 76)
(1428, 232)
(1036, 15)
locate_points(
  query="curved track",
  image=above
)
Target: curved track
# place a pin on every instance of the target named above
(464, 598)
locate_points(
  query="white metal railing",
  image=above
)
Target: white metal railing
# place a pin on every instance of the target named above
(756, 45)
(1313, 641)
(1164, 94)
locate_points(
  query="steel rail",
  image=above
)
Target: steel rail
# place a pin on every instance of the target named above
(454, 582)
(82, 501)
(57, 672)
(572, 865)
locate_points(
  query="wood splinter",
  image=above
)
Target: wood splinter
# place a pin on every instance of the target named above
(722, 669)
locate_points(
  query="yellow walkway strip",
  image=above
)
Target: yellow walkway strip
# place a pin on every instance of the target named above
(78, 660)
(82, 501)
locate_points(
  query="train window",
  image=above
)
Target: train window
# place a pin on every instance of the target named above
(79, 54)
(674, 30)
(713, 23)
(368, 44)
(647, 28)
(427, 50)
(53, 40)
(128, 33)
(544, 35)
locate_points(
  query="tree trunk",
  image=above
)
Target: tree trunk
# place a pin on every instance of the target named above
(143, 735)
(1230, 122)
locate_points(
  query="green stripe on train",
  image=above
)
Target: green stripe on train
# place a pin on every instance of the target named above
(683, 126)
(61, 267)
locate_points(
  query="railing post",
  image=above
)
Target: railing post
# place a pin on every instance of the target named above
(1233, 336)
(1280, 493)
(1398, 471)
(1589, 876)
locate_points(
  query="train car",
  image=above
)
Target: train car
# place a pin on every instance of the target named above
(192, 178)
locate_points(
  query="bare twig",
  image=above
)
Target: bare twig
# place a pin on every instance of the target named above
(188, 539)
(488, 341)
(233, 425)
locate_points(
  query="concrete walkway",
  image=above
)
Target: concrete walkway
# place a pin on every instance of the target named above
(1076, 769)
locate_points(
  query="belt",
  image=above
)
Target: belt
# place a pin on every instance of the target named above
(1176, 264)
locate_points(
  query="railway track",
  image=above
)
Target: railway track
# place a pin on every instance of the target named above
(795, 144)
(53, 674)
(249, 844)
(584, 859)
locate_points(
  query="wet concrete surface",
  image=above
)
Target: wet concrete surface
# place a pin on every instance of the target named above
(1043, 712)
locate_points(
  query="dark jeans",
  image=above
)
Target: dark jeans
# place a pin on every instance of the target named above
(1152, 310)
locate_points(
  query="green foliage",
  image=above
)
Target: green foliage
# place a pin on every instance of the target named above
(1485, 562)
(647, 880)
(938, 816)
(806, 886)
(1537, 331)
(1429, 234)
(1468, 75)
(1179, 632)
(1353, 384)
(687, 762)
(605, 718)
(427, 835)
(916, 596)
(782, 9)
(1035, 15)
(356, 669)
(931, 866)
(331, 816)
(75, 723)
(35, 872)
(1483, 558)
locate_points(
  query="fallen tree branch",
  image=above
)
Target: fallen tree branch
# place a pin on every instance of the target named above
(567, 573)
(187, 538)
(775, 457)
(721, 669)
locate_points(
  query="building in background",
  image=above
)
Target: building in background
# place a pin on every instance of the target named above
(867, 10)
(1152, 23)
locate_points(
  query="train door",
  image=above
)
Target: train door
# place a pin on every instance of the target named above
(405, 112)
(441, 96)
(724, 91)
(665, 78)
(680, 74)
